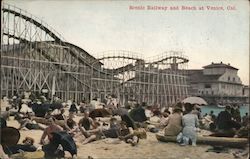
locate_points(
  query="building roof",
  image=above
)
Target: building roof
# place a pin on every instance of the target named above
(198, 77)
(193, 71)
(220, 65)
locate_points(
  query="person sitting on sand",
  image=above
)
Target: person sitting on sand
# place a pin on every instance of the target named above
(190, 123)
(111, 103)
(148, 112)
(86, 121)
(207, 122)
(25, 108)
(245, 120)
(243, 131)
(73, 108)
(49, 130)
(174, 125)
(164, 117)
(160, 121)
(60, 116)
(127, 134)
(93, 134)
(70, 124)
(113, 123)
(6, 114)
(48, 114)
(197, 111)
(89, 128)
(27, 146)
(213, 116)
(82, 107)
(26, 122)
(112, 132)
(235, 112)
(225, 124)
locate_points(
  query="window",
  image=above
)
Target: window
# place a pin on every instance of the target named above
(233, 79)
(207, 85)
(228, 78)
(212, 92)
(223, 86)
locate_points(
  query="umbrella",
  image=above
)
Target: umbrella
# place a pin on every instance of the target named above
(66, 141)
(195, 100)
(9, 136)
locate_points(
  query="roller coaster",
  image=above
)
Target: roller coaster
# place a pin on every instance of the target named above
(34, 57)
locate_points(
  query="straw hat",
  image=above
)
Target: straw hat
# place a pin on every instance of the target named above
(29, 139)
(176, 109)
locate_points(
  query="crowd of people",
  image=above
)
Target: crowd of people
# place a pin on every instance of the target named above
(128, 124)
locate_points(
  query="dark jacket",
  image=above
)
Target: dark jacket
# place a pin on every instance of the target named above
(224, 121)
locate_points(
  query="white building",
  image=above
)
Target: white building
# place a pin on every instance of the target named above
(218, 83)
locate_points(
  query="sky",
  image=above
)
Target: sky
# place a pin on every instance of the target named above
(205, 36)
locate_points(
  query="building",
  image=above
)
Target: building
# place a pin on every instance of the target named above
(245, 93)
(218, 83)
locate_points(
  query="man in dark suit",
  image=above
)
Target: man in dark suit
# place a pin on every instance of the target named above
(224, 120)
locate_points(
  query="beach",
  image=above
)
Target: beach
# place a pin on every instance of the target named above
(127, 70)
(147, 148)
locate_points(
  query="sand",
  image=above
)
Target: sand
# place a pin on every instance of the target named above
(147, 148)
